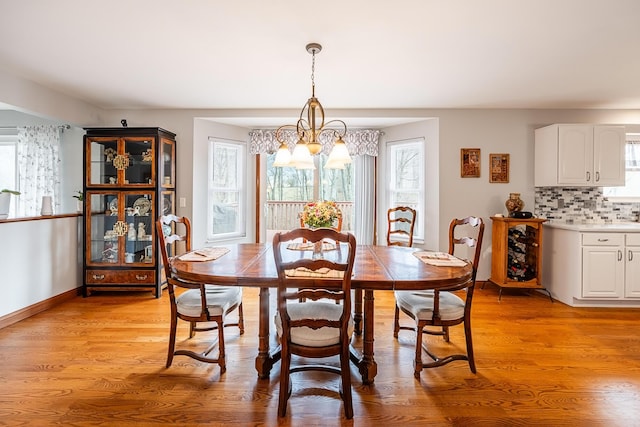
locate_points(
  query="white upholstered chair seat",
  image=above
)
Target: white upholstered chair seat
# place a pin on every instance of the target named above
(420, 304)
(306, 336)
(219, 299)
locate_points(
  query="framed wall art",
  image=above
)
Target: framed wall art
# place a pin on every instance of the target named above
(470, 162)
(499, 167)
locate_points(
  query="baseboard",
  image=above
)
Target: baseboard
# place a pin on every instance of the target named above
(16, 316)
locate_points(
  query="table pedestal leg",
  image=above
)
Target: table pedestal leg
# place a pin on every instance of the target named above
(264, 360)
(357, 311)
(367, 365)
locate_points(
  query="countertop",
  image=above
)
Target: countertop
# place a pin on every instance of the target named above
(617, 227)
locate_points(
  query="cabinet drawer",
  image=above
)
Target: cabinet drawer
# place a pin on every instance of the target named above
(96, 277)
(602, 239)
(633, 239)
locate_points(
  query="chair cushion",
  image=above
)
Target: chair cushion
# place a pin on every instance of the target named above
(314, 310)
(420, 304)
(219, 299)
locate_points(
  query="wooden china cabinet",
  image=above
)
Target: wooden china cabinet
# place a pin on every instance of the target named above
(130, 179)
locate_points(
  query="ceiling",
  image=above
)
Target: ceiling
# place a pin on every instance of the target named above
(377, 54)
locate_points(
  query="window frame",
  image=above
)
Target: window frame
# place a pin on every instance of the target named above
(239, 190)
(10, 139)
(391, 192)
(630, 138)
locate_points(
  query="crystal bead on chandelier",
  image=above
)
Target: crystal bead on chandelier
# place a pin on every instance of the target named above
(308, 131)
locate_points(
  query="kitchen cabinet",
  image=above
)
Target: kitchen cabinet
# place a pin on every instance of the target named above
(516, 259)
(580, 155)
(129, 181)
(593, 265)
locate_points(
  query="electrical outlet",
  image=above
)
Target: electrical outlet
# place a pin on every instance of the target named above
(183, 202)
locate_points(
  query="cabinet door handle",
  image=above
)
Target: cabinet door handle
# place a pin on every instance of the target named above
(630, 255)
(141, 277)
(588, 176)
(619, 255)
(597, 176)
(603, 240)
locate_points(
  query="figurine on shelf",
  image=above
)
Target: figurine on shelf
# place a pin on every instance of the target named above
(131, 233)
(141, 231)
(147, 155)
(109, 154)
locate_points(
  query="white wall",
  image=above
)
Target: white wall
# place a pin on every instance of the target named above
(39, 260)
(493, 131)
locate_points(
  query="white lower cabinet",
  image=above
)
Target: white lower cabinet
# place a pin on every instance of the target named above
(603, 274)
(592, 268)
(632, 265)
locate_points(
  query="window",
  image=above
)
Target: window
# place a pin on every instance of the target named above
(8, 165)
(289, 189)
(405, 186)
(631, 190)
(226, 204)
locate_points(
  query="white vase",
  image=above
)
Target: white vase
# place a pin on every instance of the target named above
(5, 204)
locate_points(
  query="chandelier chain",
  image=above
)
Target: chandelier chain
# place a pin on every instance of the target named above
(313, 72)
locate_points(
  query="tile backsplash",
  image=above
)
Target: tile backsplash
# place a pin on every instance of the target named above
(581, 204)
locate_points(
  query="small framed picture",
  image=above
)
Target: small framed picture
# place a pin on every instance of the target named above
(470, 162)
(499, 167)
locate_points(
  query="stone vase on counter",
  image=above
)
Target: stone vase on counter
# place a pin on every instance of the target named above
(514, 203)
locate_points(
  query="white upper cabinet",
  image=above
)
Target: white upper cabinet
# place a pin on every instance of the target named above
(580, 155)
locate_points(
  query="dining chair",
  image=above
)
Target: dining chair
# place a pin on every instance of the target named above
(442, 308)
(400, 223)
(309, 322)
(203, 305)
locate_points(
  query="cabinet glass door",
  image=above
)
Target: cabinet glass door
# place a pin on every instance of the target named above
(139, 152)
(104, 229)
(138, 216)
(167, 169)
(121, 228)
(100, 167)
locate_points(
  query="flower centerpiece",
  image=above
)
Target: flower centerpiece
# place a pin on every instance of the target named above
(319, 214)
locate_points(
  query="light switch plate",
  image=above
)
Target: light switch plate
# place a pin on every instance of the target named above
(183, 202)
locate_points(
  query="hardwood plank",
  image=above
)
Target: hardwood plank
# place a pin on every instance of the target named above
(99, 361)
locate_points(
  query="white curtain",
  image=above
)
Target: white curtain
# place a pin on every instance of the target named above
(364, 206)
(39, 168)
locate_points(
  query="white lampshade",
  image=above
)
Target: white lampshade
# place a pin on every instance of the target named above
(339, 156)
(283, 156)
(301, 157)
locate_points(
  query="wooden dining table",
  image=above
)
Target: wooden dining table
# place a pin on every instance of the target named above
(376, 268)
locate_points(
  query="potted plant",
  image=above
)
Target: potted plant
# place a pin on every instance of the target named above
(5, 202)
(80, 199)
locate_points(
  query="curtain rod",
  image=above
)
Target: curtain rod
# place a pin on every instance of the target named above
(60, 127)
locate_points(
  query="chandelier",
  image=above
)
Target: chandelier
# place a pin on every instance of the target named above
(309, 128)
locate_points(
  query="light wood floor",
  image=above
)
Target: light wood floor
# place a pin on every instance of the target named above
(100, 361)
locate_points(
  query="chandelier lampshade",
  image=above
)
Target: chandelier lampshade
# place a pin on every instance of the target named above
(309, 127)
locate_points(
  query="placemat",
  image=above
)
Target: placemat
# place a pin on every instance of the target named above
(440, 259)
(321, 272)
(307, 246)
(204, 254)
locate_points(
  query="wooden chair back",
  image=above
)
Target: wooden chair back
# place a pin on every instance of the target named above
(472, 242)
(400, 224)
